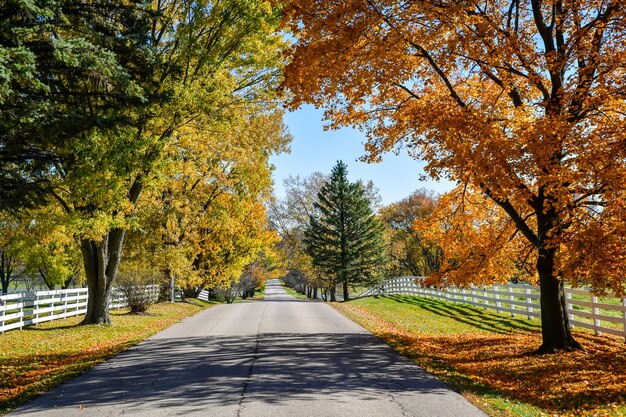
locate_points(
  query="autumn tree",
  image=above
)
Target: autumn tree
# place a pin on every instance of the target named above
(345, 240)
(204, 219)
(521, 100)
(51, 250)
(176, 63)
(473, 235)
(409, 251)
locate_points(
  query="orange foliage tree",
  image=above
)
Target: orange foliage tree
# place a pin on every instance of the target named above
(521, 99)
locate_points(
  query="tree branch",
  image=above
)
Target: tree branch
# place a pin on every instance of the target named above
(520, 222)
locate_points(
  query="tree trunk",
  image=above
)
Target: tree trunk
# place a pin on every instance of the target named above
(5, 272)
(555, 331)
(101, 260)
(172, 286)
(346, 295)
(315, 293)
(333, 295)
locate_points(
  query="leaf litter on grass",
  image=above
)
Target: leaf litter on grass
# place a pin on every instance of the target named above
(38, 358)
(487, 364)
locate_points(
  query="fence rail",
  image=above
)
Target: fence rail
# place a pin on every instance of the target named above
(601, 314)
(22, 309)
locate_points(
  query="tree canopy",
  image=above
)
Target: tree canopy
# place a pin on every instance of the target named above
(102, 103)
(410, 252)
(519, 101)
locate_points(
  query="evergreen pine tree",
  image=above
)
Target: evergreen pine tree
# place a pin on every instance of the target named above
(344, 238)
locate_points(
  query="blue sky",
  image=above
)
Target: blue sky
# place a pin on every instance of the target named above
(314, 149)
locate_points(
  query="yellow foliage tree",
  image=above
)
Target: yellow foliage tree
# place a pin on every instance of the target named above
(204, 219)
(204, 59)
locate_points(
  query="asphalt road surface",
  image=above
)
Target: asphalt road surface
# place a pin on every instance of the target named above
(277, 357)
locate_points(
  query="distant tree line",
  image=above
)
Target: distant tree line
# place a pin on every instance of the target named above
(331, 237)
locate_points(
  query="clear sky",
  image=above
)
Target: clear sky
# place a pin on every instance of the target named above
(314, 149)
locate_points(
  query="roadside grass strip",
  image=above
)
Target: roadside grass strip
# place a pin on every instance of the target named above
(294, 293)
(37, 358)
(485, 356)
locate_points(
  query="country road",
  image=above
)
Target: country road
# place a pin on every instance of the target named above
(277, 357)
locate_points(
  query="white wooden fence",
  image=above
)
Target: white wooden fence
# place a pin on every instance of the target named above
(26, 308)
(601, 314)
(204, 295)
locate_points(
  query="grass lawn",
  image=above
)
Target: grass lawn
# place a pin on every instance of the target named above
(37, 358)
(293, 292)
(484, 356)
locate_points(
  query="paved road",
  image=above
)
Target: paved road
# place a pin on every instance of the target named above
(279, 357)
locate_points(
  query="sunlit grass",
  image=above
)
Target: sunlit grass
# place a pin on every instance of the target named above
(40, 357)
(485, 356)
(293, 292)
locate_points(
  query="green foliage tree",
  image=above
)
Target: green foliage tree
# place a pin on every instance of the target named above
(11, 249)
(128, 79)
(62, 78)
(345, 240)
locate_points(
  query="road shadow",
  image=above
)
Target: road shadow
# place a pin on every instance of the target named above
(203, 372)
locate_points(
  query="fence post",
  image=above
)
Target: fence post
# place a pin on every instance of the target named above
(54, 305)
(624, 314)
(529, 301)
(36, 307)
(624, 323)
(485, 297)
(473, 292)
(4, 308)
(20, 311)
(497, 298)
(596, 312)
(568, 297)
(511, 300)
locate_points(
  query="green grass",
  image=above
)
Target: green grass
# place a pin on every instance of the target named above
(293, 292)
(429, 315)
(38, 358)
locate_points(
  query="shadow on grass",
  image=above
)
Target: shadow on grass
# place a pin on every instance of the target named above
(468, 315)
(48, 328)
